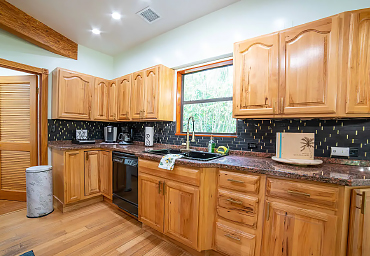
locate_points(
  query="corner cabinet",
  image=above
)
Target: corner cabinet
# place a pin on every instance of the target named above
(256, 76)
(71, 96)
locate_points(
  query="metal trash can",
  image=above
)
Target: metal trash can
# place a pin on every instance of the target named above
(39, 187)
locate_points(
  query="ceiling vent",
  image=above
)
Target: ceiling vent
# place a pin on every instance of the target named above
(149, 15)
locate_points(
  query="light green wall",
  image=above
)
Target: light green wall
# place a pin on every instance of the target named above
(89, 61)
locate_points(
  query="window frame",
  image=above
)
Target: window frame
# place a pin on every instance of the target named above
(180, 97)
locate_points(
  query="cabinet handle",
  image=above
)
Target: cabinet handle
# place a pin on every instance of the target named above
(164, 187)
(232, 237)
(282, 105)
(159, 187)
(274, 107)
(363, 205)
(268, 211)
(237, 181)
(296, 193)
(87, 156)
(234, 201)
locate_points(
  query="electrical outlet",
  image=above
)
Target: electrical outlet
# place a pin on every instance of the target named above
(53, 128)
(252, 145)
(339, 151)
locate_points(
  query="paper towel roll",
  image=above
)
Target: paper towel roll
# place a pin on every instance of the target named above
(149, 136)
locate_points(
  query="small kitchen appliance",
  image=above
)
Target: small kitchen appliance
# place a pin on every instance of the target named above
(149, 136)
(125, 138)
(110, 134)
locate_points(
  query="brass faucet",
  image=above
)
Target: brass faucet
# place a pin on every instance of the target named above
(187, 135)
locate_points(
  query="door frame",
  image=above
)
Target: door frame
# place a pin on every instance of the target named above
(42, 121)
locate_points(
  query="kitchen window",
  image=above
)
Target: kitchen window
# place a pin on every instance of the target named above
(206, 93)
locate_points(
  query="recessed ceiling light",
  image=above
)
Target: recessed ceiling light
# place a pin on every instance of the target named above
(96, 31)
(116, 16)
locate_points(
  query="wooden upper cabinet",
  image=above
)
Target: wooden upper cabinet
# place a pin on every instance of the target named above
(112, 100)
(256, 76)
(72, 93)
(73, 176)
(137, 95)
(151, 92)
(91, 172)
(181, 212)
(100, 100)
(358, 78)
(309, 68)
(293, 231)
(124, 97)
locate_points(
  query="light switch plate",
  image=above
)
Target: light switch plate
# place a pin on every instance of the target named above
(339, 151)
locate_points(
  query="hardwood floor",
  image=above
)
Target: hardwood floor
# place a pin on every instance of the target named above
(11, 206)
(97, 229)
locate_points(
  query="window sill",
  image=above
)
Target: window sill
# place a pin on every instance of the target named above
(209, 135)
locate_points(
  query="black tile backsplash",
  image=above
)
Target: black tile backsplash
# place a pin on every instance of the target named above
(342, 133)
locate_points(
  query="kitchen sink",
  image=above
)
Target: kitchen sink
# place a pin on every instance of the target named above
(195, 155)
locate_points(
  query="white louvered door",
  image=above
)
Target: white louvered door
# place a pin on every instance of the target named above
(18, 134)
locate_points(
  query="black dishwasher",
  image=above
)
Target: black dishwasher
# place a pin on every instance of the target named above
(125, 182)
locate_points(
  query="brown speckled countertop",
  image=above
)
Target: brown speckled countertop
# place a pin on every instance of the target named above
(326, 173)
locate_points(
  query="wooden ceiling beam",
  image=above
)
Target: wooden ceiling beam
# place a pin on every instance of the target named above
(28, 28)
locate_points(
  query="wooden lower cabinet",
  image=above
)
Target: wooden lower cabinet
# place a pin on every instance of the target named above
(293, 231)
(91, 172)
(105, 173)
(234, 242)
(151, 201)
(73, 176)
(181, 212)
(80, 175)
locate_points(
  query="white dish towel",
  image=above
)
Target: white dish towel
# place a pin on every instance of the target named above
(168, 161)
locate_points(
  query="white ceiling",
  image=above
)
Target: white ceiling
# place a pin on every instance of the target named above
(76, 18)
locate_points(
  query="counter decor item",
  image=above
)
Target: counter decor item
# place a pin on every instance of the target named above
(168, 161)
(149, 136)
(295, 148)
(223, 150)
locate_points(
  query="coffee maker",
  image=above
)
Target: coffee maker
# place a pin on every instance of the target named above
(125, 137)
(110, 134)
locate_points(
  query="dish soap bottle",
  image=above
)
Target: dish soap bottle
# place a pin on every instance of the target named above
(211, 145)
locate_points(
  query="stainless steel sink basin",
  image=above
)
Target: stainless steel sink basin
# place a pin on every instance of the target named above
(194, 155)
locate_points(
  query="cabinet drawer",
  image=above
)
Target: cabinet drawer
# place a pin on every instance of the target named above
(237, 207)
(240, 182)
(234, 242)
(303, 192)
(179, 173)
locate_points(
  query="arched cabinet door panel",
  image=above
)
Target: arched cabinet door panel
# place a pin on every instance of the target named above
(358, 77)
(137, 95)
(100, 100)
(124, 97)
(151, 92)
(256, 76)
(309, 68)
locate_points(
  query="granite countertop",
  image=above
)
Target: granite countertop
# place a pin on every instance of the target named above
(247, 162)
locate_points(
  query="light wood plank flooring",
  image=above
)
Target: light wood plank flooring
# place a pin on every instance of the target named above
(11, 206)
(98, 229)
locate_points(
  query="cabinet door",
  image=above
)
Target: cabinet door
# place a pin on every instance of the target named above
(294, 231)
(358, 80)
(137, 94)
(181, 212)
(151, 92)
(256, 76)
(309, 68)
(100, 100)
(151, 201)
(73, 176)
(105, 173)
(359, 223)
(74, 96)
(124, 97)
(112, 102)
(91, 172)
